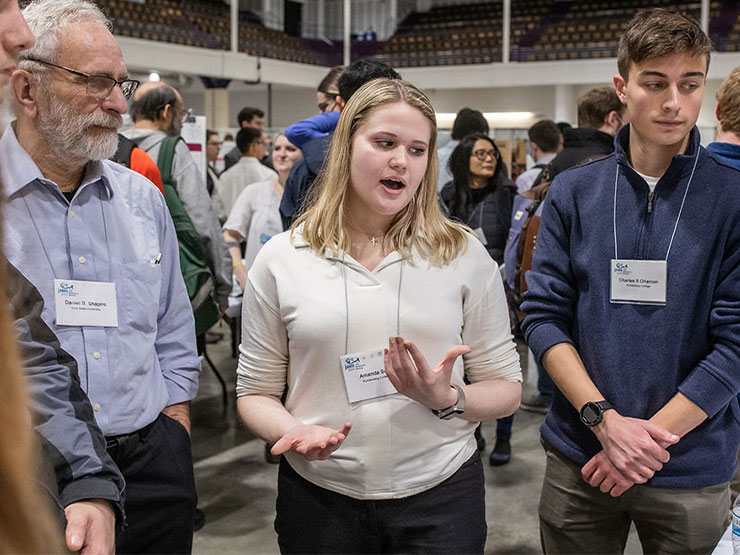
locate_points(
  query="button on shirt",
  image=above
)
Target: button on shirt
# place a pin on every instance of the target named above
(111, 231)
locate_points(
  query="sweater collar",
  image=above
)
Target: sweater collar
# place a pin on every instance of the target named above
(300, 243)
(680, 164)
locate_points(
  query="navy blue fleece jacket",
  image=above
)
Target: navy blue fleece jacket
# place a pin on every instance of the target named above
(640, 356)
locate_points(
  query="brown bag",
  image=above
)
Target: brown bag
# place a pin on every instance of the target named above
(528, 237)
(528, 244)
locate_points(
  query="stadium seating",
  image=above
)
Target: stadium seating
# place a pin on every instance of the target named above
(541, 30)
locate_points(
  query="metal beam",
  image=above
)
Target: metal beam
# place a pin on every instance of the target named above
(347, 32)
(235, 25)
(505, 47)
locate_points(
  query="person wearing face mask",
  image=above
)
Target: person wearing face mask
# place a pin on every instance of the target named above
(326, 120)
(315, 142)
(255, 217)
(481, 195)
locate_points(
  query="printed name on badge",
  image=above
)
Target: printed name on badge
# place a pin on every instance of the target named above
(85, 303)
(639, 281)
(365, 377)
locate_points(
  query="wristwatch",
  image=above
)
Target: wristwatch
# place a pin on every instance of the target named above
(592, 413)
(457, 408)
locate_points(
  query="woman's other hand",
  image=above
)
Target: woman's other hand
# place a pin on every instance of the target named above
(410, 374)
(313, 442)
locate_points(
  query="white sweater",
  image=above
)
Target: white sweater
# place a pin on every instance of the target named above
(294, 323)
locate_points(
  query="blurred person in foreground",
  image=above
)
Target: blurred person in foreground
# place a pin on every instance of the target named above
(338, 310)
(26, 524)
(726, 147)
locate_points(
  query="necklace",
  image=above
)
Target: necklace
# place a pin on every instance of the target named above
(374, 239)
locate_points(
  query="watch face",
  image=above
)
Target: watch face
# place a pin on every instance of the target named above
(591, 414)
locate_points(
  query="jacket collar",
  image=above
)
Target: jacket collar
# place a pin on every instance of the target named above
(680, 164)
(18, 169)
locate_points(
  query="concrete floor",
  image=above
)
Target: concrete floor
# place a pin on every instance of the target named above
(237, 488)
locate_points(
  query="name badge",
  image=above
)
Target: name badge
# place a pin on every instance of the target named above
(365, 377)
(639, 281)
(85, 303)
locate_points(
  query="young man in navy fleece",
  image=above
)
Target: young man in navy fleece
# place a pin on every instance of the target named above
(634, 310)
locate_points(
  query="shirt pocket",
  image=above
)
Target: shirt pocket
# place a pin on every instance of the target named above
(141, 282)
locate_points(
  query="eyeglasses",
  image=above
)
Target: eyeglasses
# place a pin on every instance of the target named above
(98, 86)
(483, 154)
(324, 106)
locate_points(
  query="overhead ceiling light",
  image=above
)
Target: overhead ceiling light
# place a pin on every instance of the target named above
(446, 119)
(154, 76)
(508, 116)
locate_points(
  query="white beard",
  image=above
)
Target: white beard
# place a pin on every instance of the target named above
(69, 135)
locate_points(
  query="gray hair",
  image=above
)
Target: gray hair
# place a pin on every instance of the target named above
(48, 18)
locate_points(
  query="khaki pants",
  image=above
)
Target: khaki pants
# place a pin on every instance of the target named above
(735, 482)
(578, 518)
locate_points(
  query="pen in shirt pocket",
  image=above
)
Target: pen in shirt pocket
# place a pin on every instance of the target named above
(158, 259)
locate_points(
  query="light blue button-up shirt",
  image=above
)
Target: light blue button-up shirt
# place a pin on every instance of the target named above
(113, 231)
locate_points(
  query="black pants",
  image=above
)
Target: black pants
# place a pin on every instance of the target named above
(449, 518)
(159, 499)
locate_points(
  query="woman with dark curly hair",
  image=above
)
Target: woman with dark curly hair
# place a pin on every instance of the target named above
(481, 195)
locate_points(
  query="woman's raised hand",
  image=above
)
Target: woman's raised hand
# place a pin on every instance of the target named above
(313, 442)
(410, 374)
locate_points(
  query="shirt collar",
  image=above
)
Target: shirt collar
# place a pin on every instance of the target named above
(17, 168)
(547, 158)
(249, 160)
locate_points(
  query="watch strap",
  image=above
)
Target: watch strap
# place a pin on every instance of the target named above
(457, 408)
(598, 408)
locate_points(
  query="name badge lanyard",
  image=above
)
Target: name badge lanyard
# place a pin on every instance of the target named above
(43, 243)
(346, 304)
(678, 218)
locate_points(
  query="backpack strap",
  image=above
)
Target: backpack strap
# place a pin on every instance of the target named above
(166, 157)
(123, 152)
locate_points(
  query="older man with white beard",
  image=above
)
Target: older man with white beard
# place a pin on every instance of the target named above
(97, 241)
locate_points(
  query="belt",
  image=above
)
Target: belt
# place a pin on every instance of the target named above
(120, 445)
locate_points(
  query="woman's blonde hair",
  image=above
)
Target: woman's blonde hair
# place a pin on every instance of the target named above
(420, 225)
